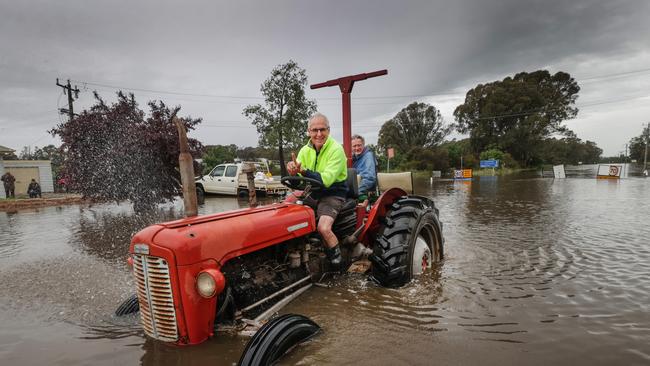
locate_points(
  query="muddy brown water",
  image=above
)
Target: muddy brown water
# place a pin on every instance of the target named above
(537, 271)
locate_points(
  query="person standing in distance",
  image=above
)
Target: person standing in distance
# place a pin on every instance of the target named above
(323, 159)
(9, 182)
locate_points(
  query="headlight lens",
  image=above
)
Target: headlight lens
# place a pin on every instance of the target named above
(206, 285)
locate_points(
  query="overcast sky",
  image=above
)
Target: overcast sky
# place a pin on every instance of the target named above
(203, 54)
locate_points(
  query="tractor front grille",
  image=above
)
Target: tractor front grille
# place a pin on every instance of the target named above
(155, 297)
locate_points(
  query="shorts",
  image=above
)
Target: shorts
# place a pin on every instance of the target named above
(330, 206)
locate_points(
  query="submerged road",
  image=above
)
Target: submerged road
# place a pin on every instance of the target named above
(537, 272)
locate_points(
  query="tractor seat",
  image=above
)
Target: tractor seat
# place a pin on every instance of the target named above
(353, 184)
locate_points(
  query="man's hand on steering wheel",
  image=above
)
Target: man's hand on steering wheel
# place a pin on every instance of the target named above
(300, 183)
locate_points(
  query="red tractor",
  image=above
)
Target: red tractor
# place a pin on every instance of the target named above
(234, 270)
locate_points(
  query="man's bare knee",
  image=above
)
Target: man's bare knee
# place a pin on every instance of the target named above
(325, 230)
(325, 224)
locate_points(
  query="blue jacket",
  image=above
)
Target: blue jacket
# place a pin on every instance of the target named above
(366, 167)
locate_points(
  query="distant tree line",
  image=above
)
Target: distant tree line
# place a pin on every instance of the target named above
(638, 145)
(117, 151)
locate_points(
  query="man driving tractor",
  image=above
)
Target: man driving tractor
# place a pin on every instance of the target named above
(323, 159)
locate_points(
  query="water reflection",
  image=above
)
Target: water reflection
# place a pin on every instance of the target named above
(13, 241)
(107, 234)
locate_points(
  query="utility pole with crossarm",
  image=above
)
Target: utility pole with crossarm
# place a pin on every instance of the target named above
(68, 89)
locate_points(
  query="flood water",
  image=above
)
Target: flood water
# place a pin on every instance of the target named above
(537, 271)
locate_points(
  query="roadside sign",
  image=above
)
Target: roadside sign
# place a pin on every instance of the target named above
(491, 163)
(391, 153)
(463, 174)
(611, 171)
(558, 171)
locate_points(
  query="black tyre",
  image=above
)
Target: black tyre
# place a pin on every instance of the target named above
(200, 195)
(128, 306)
(408, 242)
(276, 338)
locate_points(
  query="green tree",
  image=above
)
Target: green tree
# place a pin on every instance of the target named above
(419, 125)
(638, 145)
(49, 152)
(218, 154)
(569, 150)
(114, 152)
(282, 121)
(456, 150)
(492, 153)
(517, 113)
(396, 162)
(427, 159)
(505, 159)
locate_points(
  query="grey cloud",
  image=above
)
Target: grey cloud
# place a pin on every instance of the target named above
(228, 48)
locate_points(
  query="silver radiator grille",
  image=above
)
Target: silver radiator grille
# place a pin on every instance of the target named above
(155, 297)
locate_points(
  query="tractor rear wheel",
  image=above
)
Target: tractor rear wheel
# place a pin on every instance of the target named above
(408, 242)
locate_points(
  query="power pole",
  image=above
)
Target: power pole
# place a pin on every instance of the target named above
(645, 157)
(68, 89)
(625, 161)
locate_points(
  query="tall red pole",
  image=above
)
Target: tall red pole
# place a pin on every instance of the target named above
(347, 124)
(346, 84)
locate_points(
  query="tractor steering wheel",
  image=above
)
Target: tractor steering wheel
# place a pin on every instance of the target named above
(299, 183)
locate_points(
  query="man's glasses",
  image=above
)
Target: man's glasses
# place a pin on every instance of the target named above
(317, 130)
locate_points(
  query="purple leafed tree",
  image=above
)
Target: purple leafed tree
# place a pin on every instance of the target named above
(115, 152)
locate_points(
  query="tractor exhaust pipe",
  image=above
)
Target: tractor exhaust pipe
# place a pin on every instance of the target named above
(249, 169)
(186, 167)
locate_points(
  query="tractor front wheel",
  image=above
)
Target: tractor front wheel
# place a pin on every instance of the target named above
(277, 337)
(128, 306)
(408, 242)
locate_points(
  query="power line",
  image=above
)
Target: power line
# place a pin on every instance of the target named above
(626, 73)
(432, 94)
(517, 114)
(167, 92)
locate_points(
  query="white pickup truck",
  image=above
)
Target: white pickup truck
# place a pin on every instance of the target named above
(228, 179)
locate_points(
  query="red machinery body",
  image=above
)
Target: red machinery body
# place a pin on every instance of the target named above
(189, 246)
(168, 258)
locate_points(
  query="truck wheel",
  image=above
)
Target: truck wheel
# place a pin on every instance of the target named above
(128, 306)
(276, 338)
(408, 242)
(200, 195)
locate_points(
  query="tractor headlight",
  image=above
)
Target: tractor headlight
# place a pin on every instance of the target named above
(210, 282)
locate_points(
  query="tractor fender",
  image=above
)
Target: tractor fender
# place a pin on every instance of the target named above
(379, 210)
(276, 338)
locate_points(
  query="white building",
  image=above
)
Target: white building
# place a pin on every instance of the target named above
(26, 170)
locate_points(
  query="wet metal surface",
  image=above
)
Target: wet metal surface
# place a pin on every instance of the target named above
(537, 271)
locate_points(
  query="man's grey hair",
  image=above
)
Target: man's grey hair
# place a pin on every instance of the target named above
(358, 137)
(318, 115)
